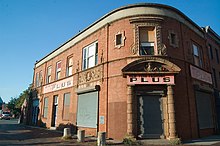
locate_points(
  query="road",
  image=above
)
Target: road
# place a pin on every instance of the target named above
(12, 133)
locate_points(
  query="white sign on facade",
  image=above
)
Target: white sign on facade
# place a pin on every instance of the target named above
(201, 75)
(147, 79)
(65, 83)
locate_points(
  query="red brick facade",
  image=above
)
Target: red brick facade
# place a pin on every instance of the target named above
(120, 110)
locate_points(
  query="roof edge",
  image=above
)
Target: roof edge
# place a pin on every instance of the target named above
(123, 8)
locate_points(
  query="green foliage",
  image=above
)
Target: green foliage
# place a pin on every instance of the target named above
(175, 141)
(14, 105)
(130, 140)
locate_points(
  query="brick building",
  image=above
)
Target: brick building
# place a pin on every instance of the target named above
(140, 70)
(213, 45)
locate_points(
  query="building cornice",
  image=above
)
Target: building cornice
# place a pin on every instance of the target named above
(212, 33)
(125, 12)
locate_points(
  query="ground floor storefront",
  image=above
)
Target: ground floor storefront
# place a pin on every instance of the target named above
(142, 101)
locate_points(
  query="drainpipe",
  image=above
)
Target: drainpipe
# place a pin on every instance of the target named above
(185, 65)
(107, 50)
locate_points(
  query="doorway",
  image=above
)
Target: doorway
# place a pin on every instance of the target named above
(54, 111)
(150, 116)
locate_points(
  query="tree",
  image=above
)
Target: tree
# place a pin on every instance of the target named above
(14, 105)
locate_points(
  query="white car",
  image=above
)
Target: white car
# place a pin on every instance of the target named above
(5, 116)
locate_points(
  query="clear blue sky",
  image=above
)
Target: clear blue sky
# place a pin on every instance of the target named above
(30, 29)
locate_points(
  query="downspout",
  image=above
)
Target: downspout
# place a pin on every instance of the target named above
(185, 64)
(107, 50)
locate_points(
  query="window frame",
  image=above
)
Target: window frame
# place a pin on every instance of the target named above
(148, 43)
(45, 107)
(122, 39)
(87, 57)
(37, 79)
(173, 39)
(214, 77)
(197, 55)
(69, 67)
(66, 106)
(48, 79)
(210, 51)
(58, 70)
(217, 55)
(144, 47)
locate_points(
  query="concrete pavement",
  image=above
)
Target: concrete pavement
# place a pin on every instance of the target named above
(12, 133)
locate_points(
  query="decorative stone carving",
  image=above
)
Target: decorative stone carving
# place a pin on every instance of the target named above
(134, 49)
(150, 65)
(90, 75)
(162, 50)
(159, 38)
(157, 26)
(155, 67)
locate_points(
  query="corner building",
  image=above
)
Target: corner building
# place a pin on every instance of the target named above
(141, 70)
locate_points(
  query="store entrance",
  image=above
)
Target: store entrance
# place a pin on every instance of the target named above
(150, 116)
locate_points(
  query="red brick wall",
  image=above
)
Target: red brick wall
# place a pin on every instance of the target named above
(113, 93)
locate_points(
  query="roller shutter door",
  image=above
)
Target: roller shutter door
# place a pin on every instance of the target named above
(204, 110)
(87, 110)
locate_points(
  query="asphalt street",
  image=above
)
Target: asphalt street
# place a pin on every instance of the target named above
(12, 133)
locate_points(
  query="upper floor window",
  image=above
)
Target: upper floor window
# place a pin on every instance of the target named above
(37, 79)
(119, 39)
(40, 78)
(48, 79)
(173, 39)
(147, 40)
(58, 70)
(197, 55)
(90, 56)
(210, 51)
(217, 57)
(214, 78)
(69, 67)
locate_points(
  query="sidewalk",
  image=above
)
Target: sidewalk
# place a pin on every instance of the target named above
(213, 140)
(207, 141)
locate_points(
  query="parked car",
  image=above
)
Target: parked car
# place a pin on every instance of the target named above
(5, 116)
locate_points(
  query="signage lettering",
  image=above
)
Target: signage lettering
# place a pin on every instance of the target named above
(65, 83)
(132, 80)
(166, 79)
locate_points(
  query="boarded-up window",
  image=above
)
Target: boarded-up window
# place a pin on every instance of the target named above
(66, 106)
(147, 40)
(87, 111)
(204, 110)
(45, 107)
